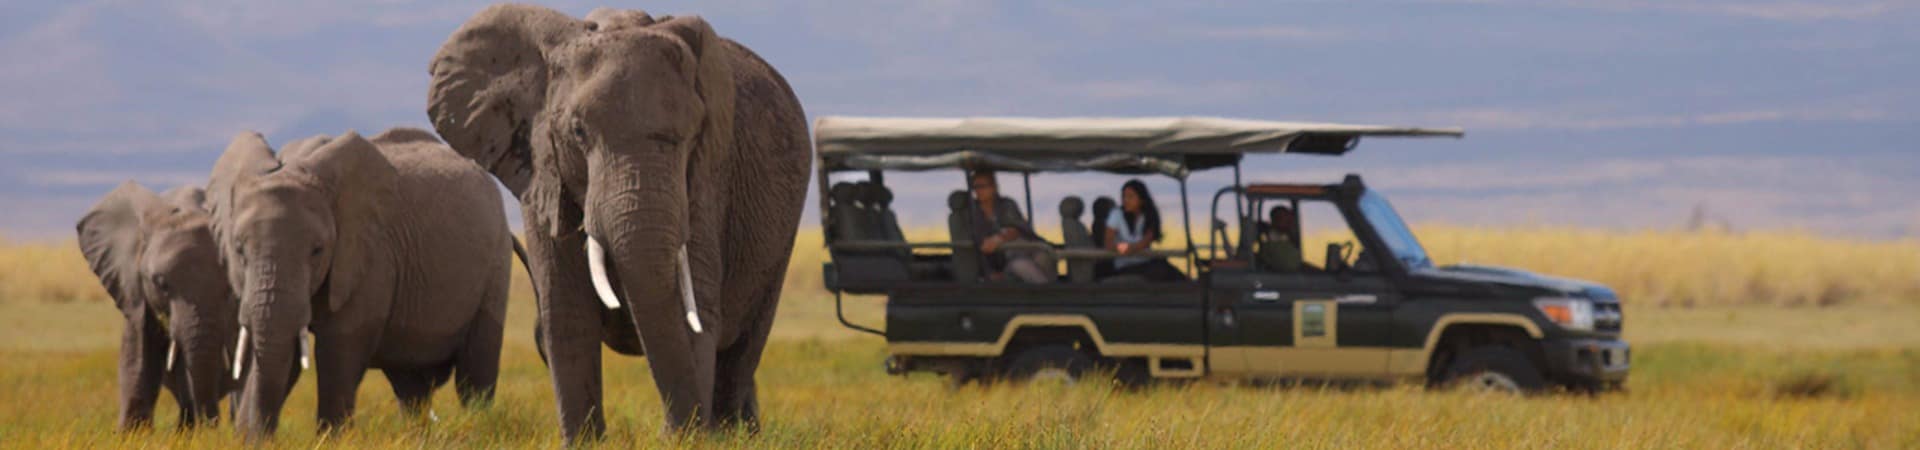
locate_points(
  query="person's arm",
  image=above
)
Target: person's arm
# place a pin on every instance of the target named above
(992, 243)
(1146, 242)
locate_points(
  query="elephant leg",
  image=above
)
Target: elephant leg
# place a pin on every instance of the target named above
(143, 350)
(339, 363)
(571, 332)
(735, 396)
(477, 367)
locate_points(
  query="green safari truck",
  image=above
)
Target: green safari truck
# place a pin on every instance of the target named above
(1373, 308)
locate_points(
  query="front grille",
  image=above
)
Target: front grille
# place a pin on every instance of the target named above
(1607, 317)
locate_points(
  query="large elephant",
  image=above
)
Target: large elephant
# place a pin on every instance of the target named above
(157, 259)
(391, 251)
(648, 154)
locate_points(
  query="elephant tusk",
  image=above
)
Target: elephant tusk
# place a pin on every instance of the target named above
(306, 351)
(170, 347)
(239, 352)
(686, 290)
(597, 267)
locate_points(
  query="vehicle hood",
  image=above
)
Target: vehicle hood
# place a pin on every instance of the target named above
(1516, 278)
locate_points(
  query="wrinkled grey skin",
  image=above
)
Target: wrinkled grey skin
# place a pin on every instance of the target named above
(157, 259)
(647, 135)
(391, 251)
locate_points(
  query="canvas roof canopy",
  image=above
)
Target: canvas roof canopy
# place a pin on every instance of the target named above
(1168, 145)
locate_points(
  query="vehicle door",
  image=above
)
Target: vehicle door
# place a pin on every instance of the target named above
(1314, 322)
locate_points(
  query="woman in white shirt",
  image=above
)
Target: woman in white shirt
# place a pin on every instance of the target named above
(1132, 229)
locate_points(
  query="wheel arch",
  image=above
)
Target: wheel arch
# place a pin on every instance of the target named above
(1459, 325)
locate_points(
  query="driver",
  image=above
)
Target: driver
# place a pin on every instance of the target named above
(1280, 244)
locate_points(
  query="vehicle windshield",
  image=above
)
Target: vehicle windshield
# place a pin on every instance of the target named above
(1393, 231)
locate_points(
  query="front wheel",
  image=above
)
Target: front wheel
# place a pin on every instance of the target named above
(1050, 363)
(1494, 369)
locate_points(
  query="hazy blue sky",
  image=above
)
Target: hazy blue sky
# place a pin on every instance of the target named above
(1614, 113)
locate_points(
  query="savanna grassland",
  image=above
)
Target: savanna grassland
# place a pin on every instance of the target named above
(1765, 339)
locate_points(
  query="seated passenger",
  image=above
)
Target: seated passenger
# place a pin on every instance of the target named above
(997, 222)
(1280, 244)
(1132, 229)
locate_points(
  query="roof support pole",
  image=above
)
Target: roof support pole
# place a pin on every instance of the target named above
(1186, 224)
(1239, 204)
(1026, 182)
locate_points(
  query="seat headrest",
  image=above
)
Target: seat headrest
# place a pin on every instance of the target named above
(957, 200)
(1071, 207)
(1102, 206)
(844, 193)
(876, 195)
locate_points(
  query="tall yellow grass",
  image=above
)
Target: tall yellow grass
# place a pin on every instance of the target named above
(46, 271)
(1666, 268)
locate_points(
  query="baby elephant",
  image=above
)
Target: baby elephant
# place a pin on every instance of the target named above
(393, 251)
(157, 259)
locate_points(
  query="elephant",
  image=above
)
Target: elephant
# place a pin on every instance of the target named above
(157, 259)
(392, 251)
(650, 155)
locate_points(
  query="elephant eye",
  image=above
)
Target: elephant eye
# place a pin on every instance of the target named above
(580, 132)
(665, 138)
(160, 282)
(316, 251)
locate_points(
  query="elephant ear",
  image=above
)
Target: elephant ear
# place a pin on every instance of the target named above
(360, 180)
(247, 156)
(111, 237)
(490, 80)
(713, 57)
(714, 82)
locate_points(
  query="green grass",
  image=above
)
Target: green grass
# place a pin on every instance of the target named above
(1703, 378)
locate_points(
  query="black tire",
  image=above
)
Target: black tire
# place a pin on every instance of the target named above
(1050, 361)
(1494, 368)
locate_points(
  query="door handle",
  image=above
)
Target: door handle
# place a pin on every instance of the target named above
(1266, 296)
(1357, 298)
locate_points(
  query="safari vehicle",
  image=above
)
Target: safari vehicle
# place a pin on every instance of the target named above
(1377, 309)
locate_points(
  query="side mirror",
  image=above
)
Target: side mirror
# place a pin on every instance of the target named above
(1336, 257)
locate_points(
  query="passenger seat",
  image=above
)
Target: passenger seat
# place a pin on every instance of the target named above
(1077, 238)
(966, 259)
(854, 219)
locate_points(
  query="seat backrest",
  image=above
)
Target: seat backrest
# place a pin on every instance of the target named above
(1250, 231)
(1076, 235)
(857, 219)
(847, 213)
(966, 260)
(882, 222)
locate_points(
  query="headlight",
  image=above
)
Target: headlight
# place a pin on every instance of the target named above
(1570, 313)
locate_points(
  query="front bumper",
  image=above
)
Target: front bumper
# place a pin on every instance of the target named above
(1588, 361)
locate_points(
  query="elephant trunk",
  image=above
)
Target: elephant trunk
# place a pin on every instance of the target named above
(204, 348)
(637, 230)
(639, 213)
(274, 313)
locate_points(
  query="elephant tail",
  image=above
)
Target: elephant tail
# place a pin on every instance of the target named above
(521, 252)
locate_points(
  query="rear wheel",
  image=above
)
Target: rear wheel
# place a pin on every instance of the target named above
(1494, 369)
(1050, 364)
